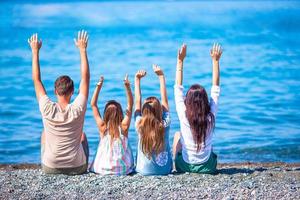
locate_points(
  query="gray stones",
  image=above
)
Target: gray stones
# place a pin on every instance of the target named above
(229, 183)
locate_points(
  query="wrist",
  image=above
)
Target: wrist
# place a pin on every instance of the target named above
(82, 51)
(127, 86)
(179, 60)
(214, 60)
(35, 52)
(161, 76)
(99, 83)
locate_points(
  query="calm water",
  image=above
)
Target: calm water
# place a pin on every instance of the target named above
(259, 108)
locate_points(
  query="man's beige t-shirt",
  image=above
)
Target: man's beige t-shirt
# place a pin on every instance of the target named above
(63, 130)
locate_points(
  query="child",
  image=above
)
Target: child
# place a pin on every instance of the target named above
(114, 155)
(152, 123)
(192, 147)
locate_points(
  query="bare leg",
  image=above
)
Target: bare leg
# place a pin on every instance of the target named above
(176, 144)
(176, 147)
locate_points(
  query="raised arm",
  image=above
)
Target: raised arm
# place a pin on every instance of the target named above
(163, 90)
(137, 89)
(215, 54)
(81, 42)
(127, 118)
(179, 68)
(35, 45)
(100, 123)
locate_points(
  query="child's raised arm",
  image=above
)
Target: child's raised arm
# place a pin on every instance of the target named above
(100, 123)
(179, 68)
(137, 89)
(215, 54)
(127, 118)
(163, 90)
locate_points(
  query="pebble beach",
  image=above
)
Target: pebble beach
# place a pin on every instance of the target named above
(233, 181)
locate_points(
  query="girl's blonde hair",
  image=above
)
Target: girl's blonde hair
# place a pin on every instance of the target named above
(151, 127)
(113, 116)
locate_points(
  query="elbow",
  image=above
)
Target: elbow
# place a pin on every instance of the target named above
(36, 79)
(93, 104)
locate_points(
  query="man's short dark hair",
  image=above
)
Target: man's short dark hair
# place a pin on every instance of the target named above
(64, 85)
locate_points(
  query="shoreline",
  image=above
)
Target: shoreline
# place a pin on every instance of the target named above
(233, 181)
(17, 166)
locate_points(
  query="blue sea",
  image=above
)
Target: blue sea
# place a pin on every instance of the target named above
(259, 110)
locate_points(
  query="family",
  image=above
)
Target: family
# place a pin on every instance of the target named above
(64, 146)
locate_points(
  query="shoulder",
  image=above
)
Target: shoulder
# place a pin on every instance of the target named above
(45, 104)
(80, 103)
(80, 100)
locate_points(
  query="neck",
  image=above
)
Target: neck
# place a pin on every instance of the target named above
(63, 101)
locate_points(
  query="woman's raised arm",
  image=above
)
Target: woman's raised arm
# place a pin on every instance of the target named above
(215, 54)
(179, 68)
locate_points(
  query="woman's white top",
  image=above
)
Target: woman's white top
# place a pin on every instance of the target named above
(189, 147)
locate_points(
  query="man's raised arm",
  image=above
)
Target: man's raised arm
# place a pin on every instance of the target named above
(81, 42)
(35, 45)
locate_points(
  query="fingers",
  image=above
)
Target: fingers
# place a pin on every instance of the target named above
(79, 35)
(141, 73)
(84, 35)
(101, 79)
(216, 49)
(183, 48)
(155, 67)
(34, 38)
(126, 81)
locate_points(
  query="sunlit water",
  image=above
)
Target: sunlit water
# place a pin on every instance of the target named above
(259, 109)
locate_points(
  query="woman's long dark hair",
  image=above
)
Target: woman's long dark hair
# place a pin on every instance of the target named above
(198, 113)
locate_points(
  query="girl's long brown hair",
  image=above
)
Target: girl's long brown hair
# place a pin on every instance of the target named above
(113, 116)
(151, 127)
(198, 113)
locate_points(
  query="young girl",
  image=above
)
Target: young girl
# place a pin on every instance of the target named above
(114, 155)
(152, 123)
(192, 146)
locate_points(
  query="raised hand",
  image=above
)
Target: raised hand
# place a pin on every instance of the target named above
(126, 81)
(82, 40)
(157, 70)
(216, 52)
(140, 74)
(100, 82)
(34, 43)
(182, 52)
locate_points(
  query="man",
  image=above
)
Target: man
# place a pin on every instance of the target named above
(64, 147)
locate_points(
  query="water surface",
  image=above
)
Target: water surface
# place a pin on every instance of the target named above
(259, 109)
